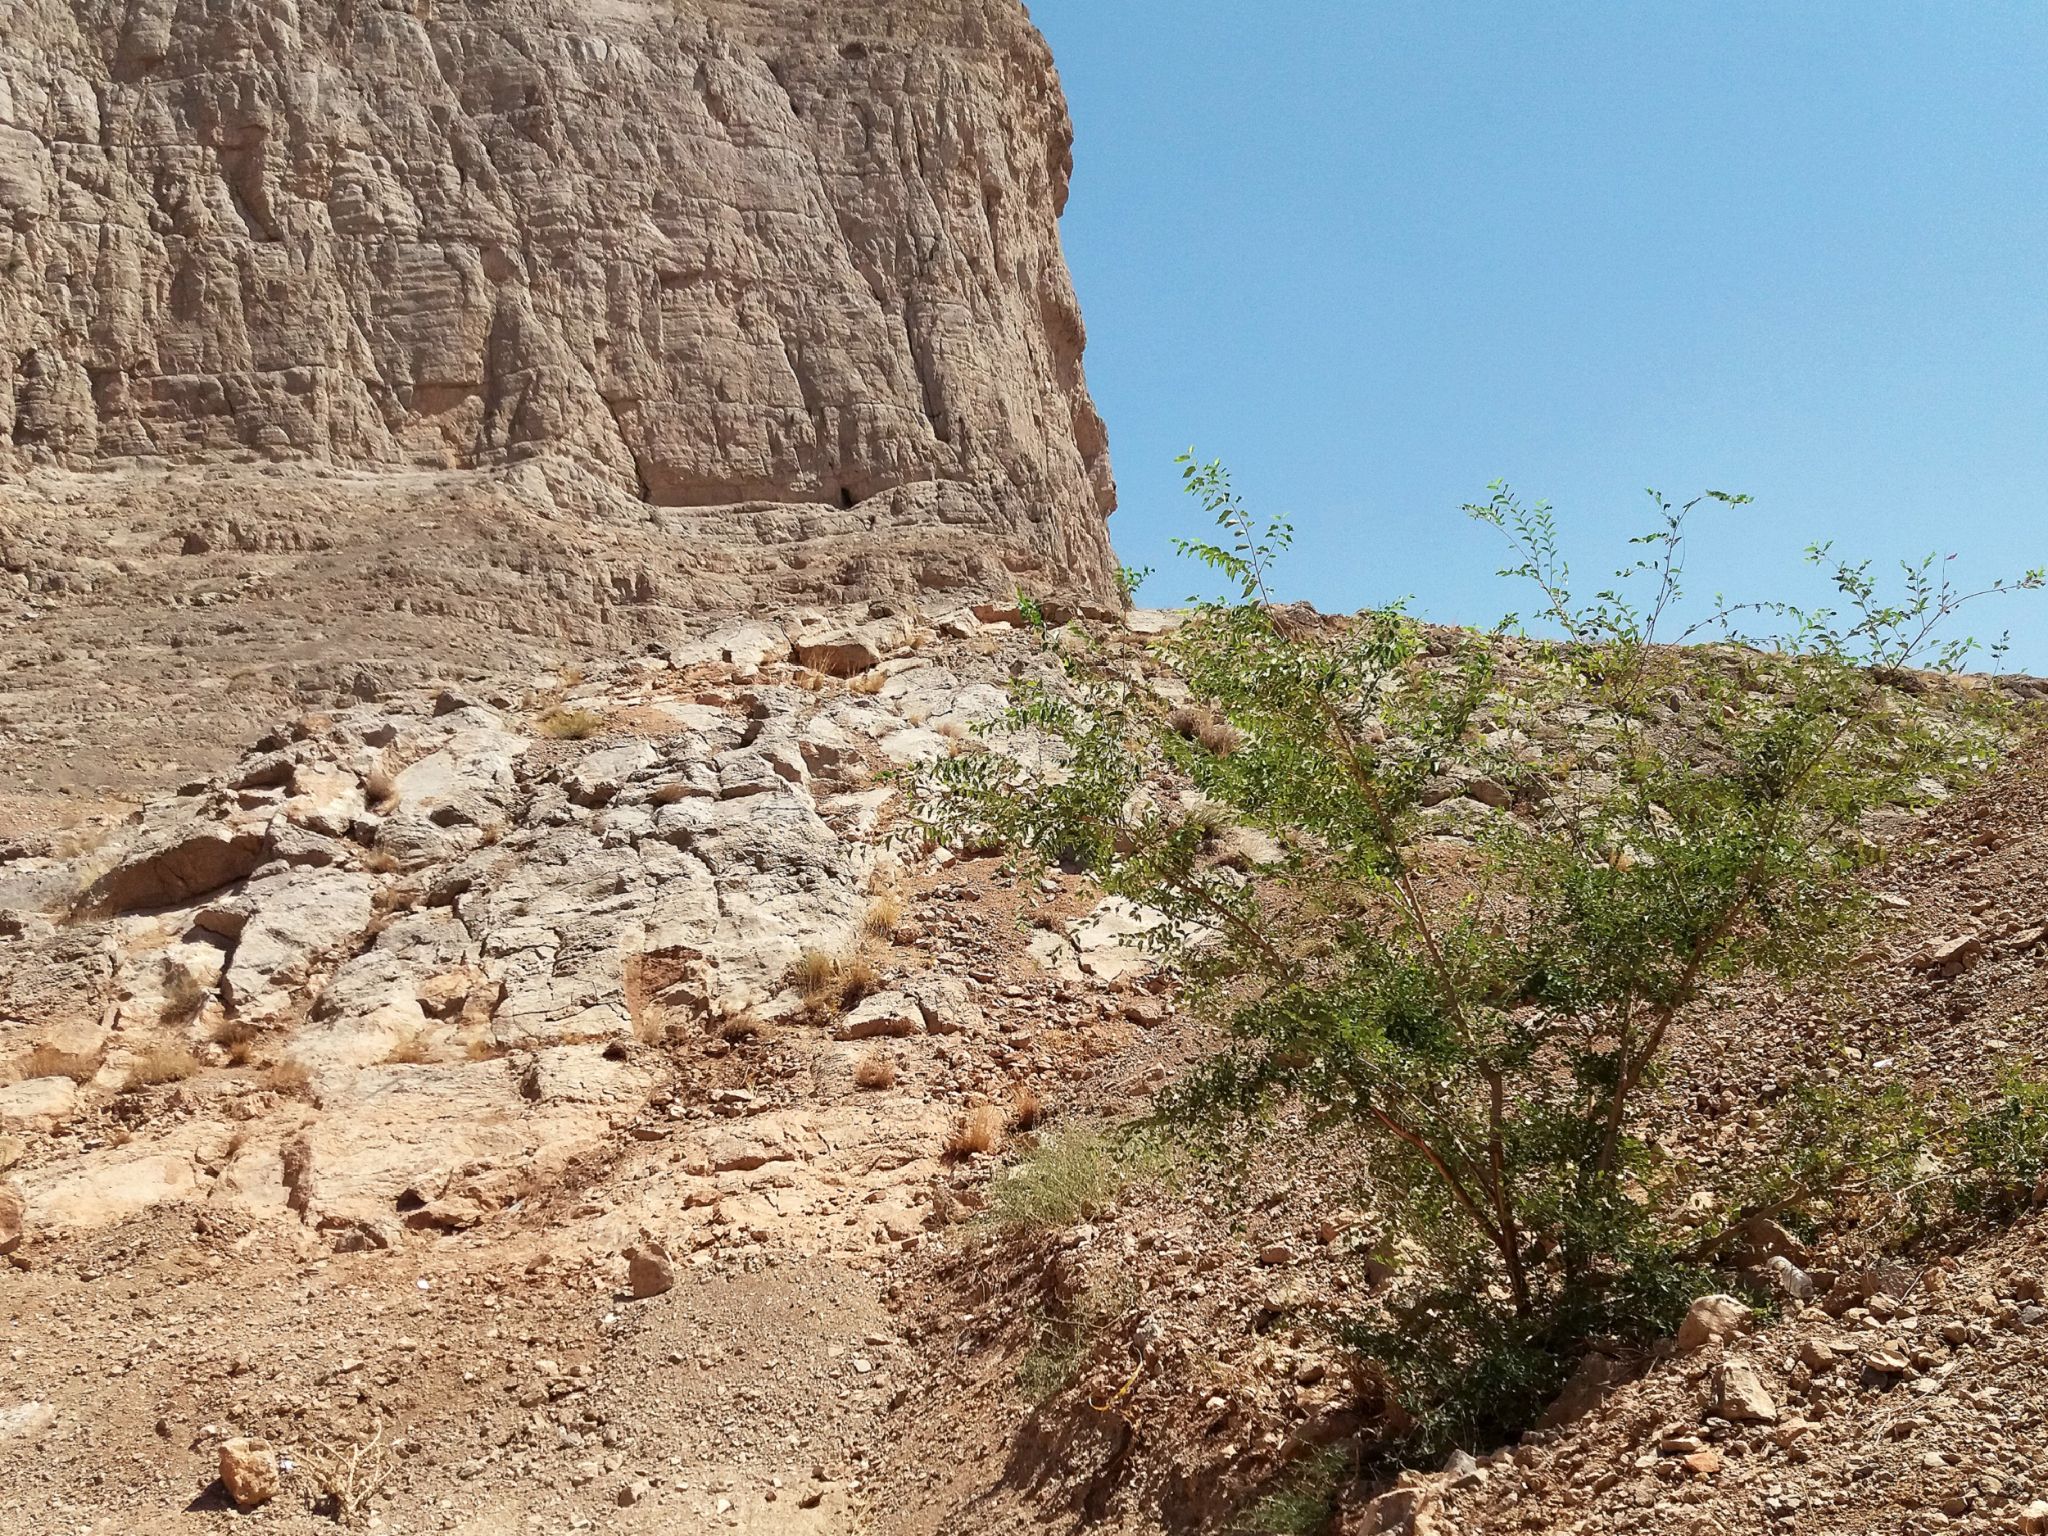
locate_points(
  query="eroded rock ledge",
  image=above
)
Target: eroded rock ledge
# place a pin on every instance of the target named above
(721, 257)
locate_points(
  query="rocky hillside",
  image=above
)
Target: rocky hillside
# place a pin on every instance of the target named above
(569, 321)
(547, 1080)
(576, 1106)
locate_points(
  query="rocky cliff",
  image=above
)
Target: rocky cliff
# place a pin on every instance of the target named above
(714, 254)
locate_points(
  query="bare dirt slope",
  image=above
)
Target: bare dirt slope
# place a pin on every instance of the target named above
(1909, 1395)
(343, 1090)
(339, 1090)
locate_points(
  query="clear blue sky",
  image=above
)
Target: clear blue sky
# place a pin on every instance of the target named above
(1377, 254)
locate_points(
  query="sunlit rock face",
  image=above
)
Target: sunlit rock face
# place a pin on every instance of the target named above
(745, 273)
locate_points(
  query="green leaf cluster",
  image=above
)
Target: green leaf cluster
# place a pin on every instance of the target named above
(1489, 1013)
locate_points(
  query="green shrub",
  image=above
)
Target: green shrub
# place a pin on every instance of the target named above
(1059, 1350)
(2003, 1146)
(1067, 1178)
(1491, 1038)
(1304, 1500)
(1899, 1161)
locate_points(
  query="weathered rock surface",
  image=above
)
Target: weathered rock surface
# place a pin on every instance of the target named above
(447, 953)
(722, 252)
(387, 333)
(773, 294)
(249, 1471)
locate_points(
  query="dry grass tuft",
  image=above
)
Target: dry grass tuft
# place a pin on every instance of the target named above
(184, 1001)
(1215, 734)
(348, 1480)
(411, 1049)
(1208, 819)
(874, 1070)
(565, 724)
(650, 1019)
(833, 983)
(1027, 1109)
(290, 1078)
(858, 978)
(883, 914)
(743, 1028)
(161, 1064)
(380, 788)
(238, 1038)
(978, 1131)
(48, 1061)
(813, 973)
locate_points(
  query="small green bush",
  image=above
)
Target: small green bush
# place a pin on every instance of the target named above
(1304, 1500)
(2003, 1146)
(1067, 1178)
(1059, 1351)
(1490, 1039)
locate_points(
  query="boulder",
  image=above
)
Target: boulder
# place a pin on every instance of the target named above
(1109, 941)
(748, 643)
(649, 1270)
(1597, 1375)
(947, 1003)
(886, 1014)
(249, 1472)
(39, 1104)
(175, 861)
(598, 776)
(295, 921)
(25, 1421)
(1410, 1508)
(1739, 1395)
(108, 1187)
(1711, 1318)
(845, 648)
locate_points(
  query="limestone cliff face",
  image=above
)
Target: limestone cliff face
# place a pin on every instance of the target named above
(713, 254)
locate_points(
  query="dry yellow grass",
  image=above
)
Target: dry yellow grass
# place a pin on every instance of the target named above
(570, 724)
(49, 1061)
(813, 973)
(858, 978)
(650, 1019)
(978, 1131)
(830, 982)
(410, 1049)
(161, 1064)
(883, 914)
(380, 788)
(238, 1039)
(874, 1070)
(1026, 1109)
(291, 1078)
(742, 1028)
(1217, 735)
